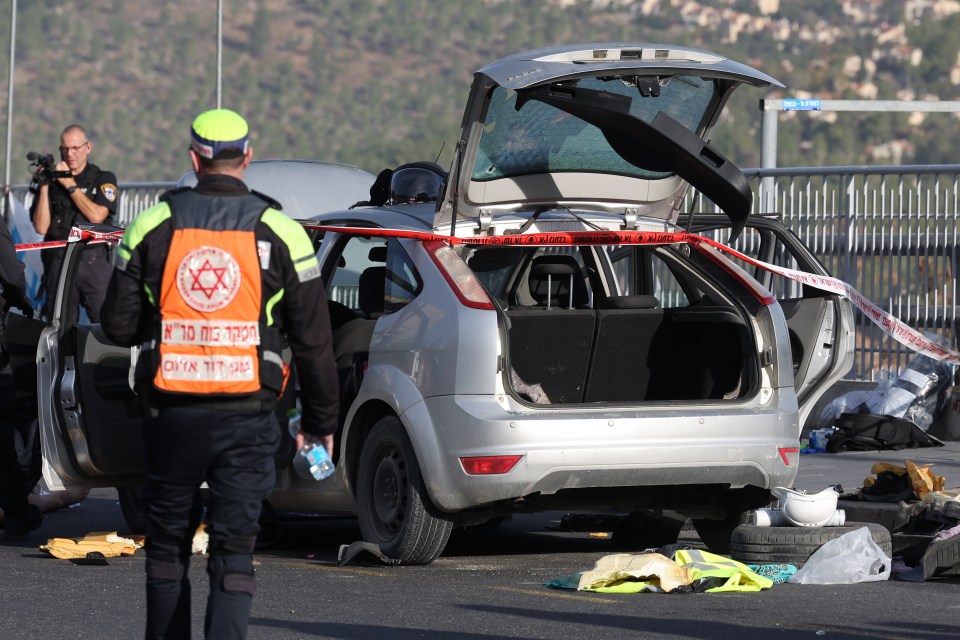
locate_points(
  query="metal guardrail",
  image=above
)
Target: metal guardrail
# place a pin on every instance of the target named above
(134, 198)
(890, 231)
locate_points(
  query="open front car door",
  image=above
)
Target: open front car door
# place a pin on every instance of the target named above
(90, 420)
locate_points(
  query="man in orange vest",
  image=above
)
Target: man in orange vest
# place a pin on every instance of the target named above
(212, 282)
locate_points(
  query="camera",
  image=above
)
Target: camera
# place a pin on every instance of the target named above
(43, 168)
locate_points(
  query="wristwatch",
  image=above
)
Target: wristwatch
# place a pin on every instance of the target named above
(71, 189)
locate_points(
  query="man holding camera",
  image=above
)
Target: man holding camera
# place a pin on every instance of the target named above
(77, 192)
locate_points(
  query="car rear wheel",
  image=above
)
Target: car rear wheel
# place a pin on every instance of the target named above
(393, 507)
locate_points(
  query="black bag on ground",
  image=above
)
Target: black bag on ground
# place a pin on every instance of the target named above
(867, 432)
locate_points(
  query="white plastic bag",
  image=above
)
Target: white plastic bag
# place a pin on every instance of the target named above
(851, 558)
(919, 393)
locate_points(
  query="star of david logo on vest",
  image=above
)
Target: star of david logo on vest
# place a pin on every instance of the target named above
(208, 278)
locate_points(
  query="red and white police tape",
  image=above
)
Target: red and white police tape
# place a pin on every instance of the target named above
(889, 324)
(76, 233)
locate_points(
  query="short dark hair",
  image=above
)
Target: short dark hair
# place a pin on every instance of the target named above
(221, 163)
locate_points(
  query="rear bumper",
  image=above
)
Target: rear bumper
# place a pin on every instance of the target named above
(735, 446)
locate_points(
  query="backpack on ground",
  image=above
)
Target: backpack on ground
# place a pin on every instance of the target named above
(868, 432)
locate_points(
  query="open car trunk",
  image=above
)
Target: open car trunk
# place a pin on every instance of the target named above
(667, 332)
(629, 355)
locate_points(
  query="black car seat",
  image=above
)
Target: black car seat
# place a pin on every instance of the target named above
(560, 315)
(351, 342)
(371, 291)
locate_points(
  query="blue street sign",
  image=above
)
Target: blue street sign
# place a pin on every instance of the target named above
(795, 104)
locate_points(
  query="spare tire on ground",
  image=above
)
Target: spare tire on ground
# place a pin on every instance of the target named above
(751, 544)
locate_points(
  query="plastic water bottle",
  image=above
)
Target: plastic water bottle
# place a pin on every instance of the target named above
(317, 459)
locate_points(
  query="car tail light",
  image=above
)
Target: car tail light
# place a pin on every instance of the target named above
(488, 465)
(462, 280)
(758, 290)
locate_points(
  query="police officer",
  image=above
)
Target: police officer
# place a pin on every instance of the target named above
(86, 194)
(210, 280)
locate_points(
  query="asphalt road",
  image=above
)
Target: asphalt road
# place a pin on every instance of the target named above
(488, 584)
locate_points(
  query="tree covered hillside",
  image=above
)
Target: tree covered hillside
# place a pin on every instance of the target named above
(374, 83)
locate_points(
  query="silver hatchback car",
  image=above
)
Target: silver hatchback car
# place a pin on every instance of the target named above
(515, 345)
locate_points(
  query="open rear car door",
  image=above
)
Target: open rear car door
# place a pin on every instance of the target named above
(821, 323)
(90, 421)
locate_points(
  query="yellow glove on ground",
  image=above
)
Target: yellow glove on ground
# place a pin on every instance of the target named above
(923, 479)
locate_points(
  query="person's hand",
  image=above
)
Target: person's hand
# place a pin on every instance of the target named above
(69, 180)
(24, 305)
(19, 300)
(305, 439)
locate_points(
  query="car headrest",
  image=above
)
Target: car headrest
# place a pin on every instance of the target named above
(371, 290)
(377, 254)
(552, 280)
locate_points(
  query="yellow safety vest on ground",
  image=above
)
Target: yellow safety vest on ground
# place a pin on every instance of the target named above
(703, 564)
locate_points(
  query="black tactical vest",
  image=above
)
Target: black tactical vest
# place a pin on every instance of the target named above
(63, 212)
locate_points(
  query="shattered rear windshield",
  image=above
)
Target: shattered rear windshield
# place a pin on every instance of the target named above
(543, 139)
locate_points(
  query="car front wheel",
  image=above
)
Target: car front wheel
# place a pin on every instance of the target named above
(394, 509)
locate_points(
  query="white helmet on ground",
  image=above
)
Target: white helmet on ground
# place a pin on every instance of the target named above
(807, 509)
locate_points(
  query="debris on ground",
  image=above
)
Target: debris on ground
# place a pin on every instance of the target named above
(922, 515)
(102, 544)
(685, 571)
(896, 483)
(902, 524)
(871, 432)
(363, 553)
(923, 479)
(919, 394)
(201, 540)
(853, 557)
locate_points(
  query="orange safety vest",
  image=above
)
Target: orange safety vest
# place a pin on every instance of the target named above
(211, 340)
